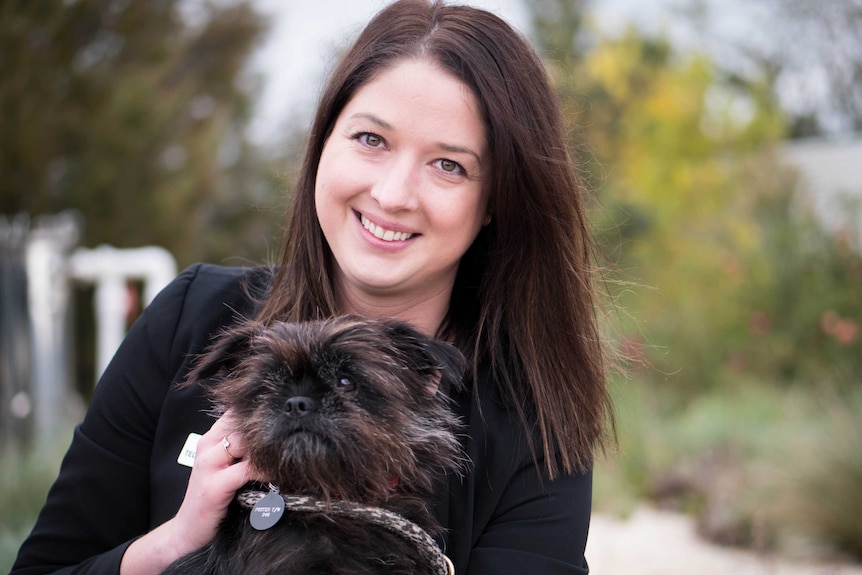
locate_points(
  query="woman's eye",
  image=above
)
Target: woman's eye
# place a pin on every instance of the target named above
(345, 384)
(371, 140)
(450, 167)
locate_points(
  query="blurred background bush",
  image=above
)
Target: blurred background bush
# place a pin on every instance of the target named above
(733, 300)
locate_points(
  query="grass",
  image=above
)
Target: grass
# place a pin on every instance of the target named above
(25, 477)
(757, 465)
(820, 493)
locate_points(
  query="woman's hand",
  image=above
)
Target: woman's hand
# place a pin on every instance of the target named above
(217, 474)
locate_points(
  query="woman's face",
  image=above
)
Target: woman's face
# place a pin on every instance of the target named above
(400, 191)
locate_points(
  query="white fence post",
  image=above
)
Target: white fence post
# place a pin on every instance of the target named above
(109, 269)
(48, 305)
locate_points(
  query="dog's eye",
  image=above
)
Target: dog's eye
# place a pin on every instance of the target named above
(345, 384)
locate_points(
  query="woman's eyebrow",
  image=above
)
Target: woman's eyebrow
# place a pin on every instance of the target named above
(459, 150)
(374, 119)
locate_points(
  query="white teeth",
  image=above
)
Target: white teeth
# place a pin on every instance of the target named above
(383, 234)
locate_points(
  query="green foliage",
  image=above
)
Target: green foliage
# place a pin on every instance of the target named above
(695, 207)
(821, 500)
(134, 116)
(739, 303)
(24, 482)
(685, 226)
(804, 315)
(764, 467)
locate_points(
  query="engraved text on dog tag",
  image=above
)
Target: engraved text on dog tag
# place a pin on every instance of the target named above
(267, 511)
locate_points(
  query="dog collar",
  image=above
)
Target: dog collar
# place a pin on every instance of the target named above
(384, 518)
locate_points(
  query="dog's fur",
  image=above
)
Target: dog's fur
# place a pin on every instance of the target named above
(342, 409)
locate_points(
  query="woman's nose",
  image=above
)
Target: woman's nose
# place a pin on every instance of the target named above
(396, 186)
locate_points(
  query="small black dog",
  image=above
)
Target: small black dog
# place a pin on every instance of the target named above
(348, 420)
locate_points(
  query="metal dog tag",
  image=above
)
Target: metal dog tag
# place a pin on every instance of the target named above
(267, 511)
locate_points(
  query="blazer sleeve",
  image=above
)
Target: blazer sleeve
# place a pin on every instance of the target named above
(100, 501)
(538, 527)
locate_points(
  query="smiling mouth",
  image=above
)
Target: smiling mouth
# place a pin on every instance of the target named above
(382, 233)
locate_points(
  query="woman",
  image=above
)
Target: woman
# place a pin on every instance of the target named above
(436, 188)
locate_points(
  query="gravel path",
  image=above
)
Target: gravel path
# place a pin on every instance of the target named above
(654, 542)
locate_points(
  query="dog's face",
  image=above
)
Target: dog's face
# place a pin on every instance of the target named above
(343, 408)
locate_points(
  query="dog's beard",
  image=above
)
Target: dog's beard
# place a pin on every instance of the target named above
(347, 453)
(307, 459)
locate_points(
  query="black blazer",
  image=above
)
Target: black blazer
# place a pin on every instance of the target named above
(121, 476)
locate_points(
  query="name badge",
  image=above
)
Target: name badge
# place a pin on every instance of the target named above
(190, 447)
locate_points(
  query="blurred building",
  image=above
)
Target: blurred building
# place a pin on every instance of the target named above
(831, 172)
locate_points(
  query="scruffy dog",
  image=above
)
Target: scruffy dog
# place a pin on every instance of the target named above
(348, 420)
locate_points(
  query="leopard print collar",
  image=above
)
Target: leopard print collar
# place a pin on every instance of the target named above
(384, 518)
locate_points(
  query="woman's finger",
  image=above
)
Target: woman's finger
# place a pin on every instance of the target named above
(221, 445)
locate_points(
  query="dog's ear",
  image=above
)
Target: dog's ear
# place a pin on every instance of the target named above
(440, 361)
(450, 364)
(225, 352)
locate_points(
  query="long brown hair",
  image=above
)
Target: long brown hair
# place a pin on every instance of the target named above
(523, 304)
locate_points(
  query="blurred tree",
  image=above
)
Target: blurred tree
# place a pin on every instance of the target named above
(729, 284)
(820, 46)
(560, 28)
(663, 143)
(804, 322)
(810, 50)
(732, 275)
(133, 112)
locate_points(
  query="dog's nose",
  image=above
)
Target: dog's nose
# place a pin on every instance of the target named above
(300, 405)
